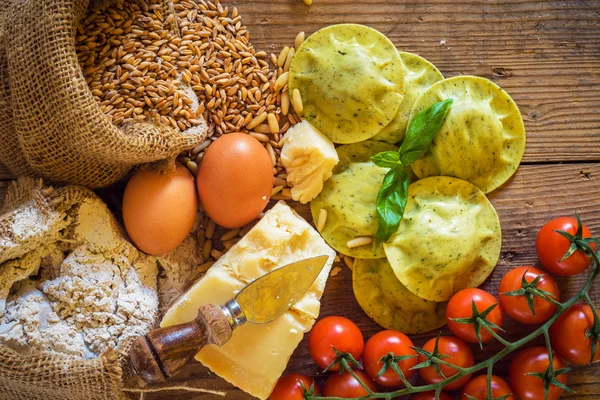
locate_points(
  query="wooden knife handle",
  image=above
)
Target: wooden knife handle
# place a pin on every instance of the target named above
(163, 352)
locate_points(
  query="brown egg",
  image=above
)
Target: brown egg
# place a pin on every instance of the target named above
(235, 179)
(159, 209)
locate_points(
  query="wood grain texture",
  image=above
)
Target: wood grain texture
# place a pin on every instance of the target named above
(546, 54)
(534, 195)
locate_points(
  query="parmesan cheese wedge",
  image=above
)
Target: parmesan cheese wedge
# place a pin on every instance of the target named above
(256, 355)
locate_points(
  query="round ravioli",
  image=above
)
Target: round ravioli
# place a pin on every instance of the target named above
(351, 81)
(419, 75)
(482, 139)
(349, 197)
(389, 303)
(448, 240)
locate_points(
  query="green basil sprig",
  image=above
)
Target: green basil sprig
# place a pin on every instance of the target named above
(393, 194)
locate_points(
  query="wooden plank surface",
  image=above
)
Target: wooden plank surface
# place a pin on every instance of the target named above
(546, 54)
(536, 194)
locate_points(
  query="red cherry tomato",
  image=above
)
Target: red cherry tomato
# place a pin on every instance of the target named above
(568, 335)
(527, 387)
(346, 386)
(338, 332)
(430, 396)
(477, 388)
(552, 246)
(458, 353)
(288, 387)
(460, 306)
(381, 344)
(516, 306)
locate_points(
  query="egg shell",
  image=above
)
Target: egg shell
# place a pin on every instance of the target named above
(159, 210)
(235, 179)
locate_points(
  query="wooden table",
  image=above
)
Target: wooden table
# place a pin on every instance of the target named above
(546, 54)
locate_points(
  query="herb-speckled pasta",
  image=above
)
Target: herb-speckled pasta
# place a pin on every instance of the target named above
(419, 75)
(349, 197)
(483, 137)
(389, 303)
(448, 240)
(351, 81)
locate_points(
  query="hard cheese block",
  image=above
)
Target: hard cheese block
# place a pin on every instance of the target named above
(257, 355)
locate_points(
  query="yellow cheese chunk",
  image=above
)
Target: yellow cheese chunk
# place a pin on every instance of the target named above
(308, 157)
(257, 355)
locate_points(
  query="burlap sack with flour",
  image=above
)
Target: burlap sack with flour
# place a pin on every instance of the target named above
(59, 249)
(50, 125)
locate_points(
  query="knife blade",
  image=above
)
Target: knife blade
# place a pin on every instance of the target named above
(268, 297)
(163, 352)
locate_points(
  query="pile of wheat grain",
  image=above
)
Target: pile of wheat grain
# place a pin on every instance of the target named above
(147, 63)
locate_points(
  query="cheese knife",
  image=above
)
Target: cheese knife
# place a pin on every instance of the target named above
(163, 352)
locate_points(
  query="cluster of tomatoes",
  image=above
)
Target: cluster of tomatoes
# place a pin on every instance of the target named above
(526, 294)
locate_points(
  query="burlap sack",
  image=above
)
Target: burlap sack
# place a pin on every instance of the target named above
(48, 375)
(50, 125)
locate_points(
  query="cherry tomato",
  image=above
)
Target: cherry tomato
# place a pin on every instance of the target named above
(288, 387)
(552, 246)
(477, 388)
(430, 396)
(527, 387)
(460, 306)
(381, 344)
(346, 386)
(568, 335)
(516, 306)
(458, 353)
(338, 332)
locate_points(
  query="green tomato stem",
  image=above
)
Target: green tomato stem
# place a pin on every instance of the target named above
(489, 363)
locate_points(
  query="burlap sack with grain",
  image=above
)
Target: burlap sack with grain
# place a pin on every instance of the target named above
(52, 217)
(50, 125)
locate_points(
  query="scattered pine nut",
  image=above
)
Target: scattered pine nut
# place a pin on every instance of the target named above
(230, 234)
(299, 40)
(297, 101)
(276, 190)
(273, 123)
(285, 103)
(261, 137)
(262, 128)
(335, 270)
(279, 182)
(359, 241)
(282, 56)
(288, 61)
(281, 82)
(257, 120)
(201, 147)
(322, 219)
(287, 193)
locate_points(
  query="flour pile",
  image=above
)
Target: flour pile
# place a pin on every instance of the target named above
(69, 281)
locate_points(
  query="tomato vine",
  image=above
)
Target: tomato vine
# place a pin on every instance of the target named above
(436, 360)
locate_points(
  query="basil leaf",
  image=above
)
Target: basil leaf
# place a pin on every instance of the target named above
(386, 159)
(422, 130)
(391, 201)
